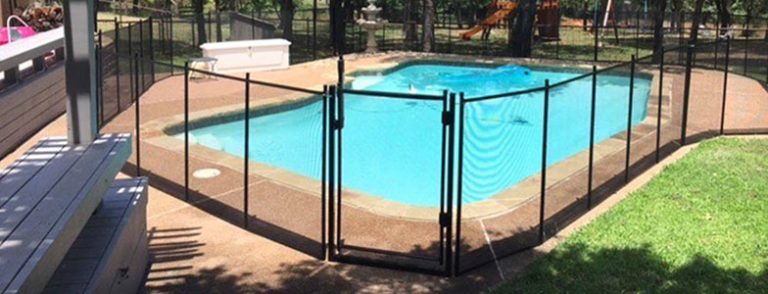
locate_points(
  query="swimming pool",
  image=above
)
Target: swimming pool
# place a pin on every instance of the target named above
(392, 147)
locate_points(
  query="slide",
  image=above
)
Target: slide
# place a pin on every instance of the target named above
(504, 9)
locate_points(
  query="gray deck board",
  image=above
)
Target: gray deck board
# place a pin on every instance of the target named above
(40, 222)
(21, 171)
(91, 267)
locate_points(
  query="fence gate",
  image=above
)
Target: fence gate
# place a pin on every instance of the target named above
(391, 179)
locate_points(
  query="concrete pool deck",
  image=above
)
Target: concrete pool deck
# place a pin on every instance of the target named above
(195, 251)
(286, 208)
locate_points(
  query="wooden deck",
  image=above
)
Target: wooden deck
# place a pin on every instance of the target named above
(47, 197)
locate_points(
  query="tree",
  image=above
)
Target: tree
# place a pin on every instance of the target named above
(659, 6)
(428, 30)
(723, 13)
(409, 15)
(287, 10)
(200, 19)
(696, 21)
(521, 33)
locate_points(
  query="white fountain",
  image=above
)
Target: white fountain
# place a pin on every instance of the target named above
(371, 23)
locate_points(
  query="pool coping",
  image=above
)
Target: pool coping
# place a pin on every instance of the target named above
(503, 202)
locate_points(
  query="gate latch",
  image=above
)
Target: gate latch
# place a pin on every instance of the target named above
(444, 219)
(447, 118)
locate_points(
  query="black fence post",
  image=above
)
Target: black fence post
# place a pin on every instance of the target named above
(170, 38)
(151, 50)
(686, 91)
(629, 118)
(637, 33)
(717, 45)
(746, 46)
(459, 185)
(725, 82)
(451, 149)
(186, 130)
(331, 172)
(595, 31)
(210, 27)
(314, 31)
(100, 79)
(137, 114)
(247, 112)
(543, 190)
(130, 39)
(324, 176)
(593, 105)
(661, 99)
(253, 25)
(117, 64)
(141, 53)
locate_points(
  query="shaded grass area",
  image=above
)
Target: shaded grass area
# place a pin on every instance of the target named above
(701, 226)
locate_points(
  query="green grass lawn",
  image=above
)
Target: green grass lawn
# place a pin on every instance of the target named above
(700, 226)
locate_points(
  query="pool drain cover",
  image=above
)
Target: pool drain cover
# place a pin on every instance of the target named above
(206, 173)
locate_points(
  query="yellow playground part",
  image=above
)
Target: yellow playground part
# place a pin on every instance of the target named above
(504, 9)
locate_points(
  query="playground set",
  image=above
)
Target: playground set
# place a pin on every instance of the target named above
(547, 19)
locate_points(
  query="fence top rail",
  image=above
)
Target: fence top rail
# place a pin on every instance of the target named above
(393, 94)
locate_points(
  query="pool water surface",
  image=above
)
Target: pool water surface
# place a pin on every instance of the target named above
(391, 148)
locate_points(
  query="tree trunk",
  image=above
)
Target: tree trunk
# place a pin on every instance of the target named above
(659, 7)
(409, 27)
(428, 29)
(521, 39)
(287, 9)
(200, 19)
(696, 20)
(219, 32)
(723, 14)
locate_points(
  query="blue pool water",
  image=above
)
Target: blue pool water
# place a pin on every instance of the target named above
(392, 147)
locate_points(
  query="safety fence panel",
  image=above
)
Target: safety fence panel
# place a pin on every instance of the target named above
(392, 207)
(499, 177)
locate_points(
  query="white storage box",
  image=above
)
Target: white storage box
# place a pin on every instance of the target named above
(249, 55)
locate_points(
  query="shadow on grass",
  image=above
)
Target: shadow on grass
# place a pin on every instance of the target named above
(576, 269)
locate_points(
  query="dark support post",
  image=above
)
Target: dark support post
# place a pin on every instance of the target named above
(314, 30)
(247, 123)
(686, 92)
(140, 69)
(717, 43)
(137, 114)
(331, 172)
(324, 176)
(637, 33)
(725, 82)
(595, 28)
(443, 176)
(170, 38)
(629, 118)
(210, 27)
(746, 46)
(544, 162)
(130, 40)
(81, 92)
(451, 150)
(253, 25)
(117, 64)
(459, 185)
(661, 99)
(100, 78)
(151, 50)
(593, 105)
(186, 131)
